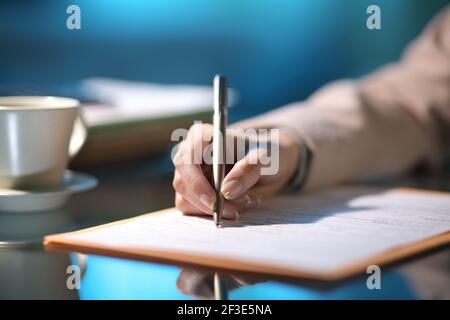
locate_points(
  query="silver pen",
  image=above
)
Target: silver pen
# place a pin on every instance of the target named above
(219, 141)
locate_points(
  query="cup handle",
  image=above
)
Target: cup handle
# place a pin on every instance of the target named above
(79, 135)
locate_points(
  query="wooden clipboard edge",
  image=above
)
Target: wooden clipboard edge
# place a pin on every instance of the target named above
(418, 190)
(51, 237)
(173, 257)
(383, 258)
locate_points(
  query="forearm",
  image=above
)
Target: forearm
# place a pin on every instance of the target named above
(382, 124)
(350, 139)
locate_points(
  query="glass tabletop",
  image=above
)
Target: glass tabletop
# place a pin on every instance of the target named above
(28, 270)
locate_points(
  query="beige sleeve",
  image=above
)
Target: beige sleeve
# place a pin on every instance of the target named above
(383, 124)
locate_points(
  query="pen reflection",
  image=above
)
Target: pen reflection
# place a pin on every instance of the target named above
(203, 284)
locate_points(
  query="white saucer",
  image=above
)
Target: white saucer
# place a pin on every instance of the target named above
(40, 200)
(26, 229)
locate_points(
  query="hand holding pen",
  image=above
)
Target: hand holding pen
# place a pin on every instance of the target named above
(243, 187)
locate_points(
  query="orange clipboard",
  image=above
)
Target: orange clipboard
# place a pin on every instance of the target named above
(62, 242)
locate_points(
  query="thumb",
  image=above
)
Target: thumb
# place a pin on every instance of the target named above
(244, 175)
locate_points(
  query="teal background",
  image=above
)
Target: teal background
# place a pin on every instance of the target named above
(273, 51)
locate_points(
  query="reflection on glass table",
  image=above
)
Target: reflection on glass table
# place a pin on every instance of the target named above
(113, 278)
(27, 270)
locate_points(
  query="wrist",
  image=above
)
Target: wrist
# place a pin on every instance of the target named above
(290, 153)
(302, 157)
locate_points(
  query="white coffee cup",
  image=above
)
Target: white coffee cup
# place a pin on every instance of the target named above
(38, 135)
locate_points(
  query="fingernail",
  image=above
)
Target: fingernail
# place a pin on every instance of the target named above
(230, 213)
(231, 189)
(206, 201)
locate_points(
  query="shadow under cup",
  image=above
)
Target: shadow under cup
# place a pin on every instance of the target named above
(37, 137)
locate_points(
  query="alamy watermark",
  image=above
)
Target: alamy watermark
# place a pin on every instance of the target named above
(257, 146)
(73, 21)
(74, 279)
(373, 22)
(374, 280)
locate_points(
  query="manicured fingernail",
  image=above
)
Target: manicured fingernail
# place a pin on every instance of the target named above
(230, 213)
(232, 189)
(206, 201)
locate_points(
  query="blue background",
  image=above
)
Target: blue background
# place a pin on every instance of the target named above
(273, 51)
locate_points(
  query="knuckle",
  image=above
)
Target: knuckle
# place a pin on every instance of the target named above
(248, 165)
(177, 184)
(178, 159)
(179, 202)
(254, 157)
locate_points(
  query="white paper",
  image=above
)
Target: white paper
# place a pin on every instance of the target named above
(315, 233)
(133, 100)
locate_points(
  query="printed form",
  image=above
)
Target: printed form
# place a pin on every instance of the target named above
(318, 232)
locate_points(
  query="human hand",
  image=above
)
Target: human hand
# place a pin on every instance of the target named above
(245, 183)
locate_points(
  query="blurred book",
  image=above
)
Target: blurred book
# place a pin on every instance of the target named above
(133, 101)
(128, 120)
(133, 120)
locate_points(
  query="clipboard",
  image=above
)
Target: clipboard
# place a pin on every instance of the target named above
(354, 268)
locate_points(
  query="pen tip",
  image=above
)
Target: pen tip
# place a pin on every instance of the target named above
(216, 219)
